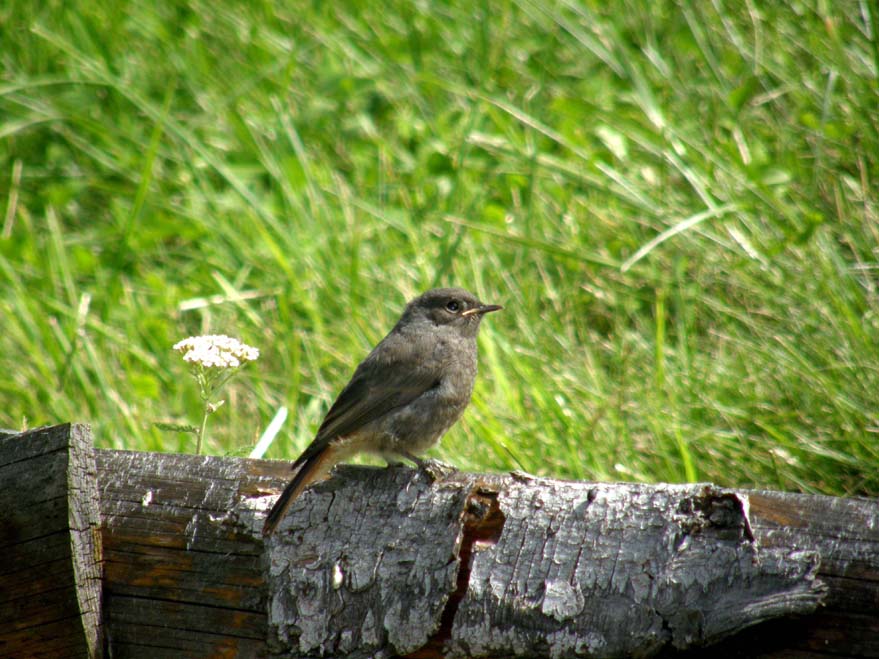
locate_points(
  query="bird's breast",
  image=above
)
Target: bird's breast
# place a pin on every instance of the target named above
(456, 364)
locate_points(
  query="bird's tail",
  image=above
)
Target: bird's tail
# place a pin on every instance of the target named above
(312, 469)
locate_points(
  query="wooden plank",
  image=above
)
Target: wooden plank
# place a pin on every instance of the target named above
(183, 555)
(50, 577)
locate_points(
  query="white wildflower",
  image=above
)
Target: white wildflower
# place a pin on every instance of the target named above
(216, 351)
(213, 360)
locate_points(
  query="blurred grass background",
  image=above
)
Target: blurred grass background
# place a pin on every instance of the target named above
(675, 201)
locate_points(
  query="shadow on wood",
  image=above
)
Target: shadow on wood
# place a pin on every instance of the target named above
(382, 562)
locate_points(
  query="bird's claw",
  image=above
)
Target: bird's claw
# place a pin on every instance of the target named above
(434, 469)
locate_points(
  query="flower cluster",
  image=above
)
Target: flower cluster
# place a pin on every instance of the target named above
(216, 351)
(213, 360)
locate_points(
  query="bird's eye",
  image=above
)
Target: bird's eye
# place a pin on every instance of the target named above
(453, 306)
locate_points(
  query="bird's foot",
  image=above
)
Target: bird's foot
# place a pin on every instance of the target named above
(434, 469)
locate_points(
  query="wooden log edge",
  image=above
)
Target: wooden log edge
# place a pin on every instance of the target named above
(50, 540)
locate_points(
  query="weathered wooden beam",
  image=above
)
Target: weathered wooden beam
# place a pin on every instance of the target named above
(417, 565)
(183, 555)
(183, 544)
(50, 544)
(845, 532)
(549, 568)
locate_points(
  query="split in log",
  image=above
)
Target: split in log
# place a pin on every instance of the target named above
(383, 562)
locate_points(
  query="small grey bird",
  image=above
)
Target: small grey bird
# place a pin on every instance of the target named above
(404, 396)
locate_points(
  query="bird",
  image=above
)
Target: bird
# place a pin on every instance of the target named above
(403, 397)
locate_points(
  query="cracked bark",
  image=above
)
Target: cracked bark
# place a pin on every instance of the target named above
(379, 562)
(528, 568)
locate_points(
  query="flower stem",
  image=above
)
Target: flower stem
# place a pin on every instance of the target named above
(201, 431)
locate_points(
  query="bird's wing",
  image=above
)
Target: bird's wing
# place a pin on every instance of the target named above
(366, 399)
(374, 390)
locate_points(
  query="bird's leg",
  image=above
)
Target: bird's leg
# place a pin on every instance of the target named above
(433, 469)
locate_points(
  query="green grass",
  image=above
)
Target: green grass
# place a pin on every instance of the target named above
(676, 203)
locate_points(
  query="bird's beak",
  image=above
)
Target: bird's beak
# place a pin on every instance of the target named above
(481, 309)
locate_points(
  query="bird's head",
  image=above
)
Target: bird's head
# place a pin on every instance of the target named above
(449, 307)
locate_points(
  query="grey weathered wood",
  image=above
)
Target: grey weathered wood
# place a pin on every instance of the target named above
(50, 574)
(845, 532)
(373, 567)
(212, 599)
(623, 570)
(187, 573)
(552, 568)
